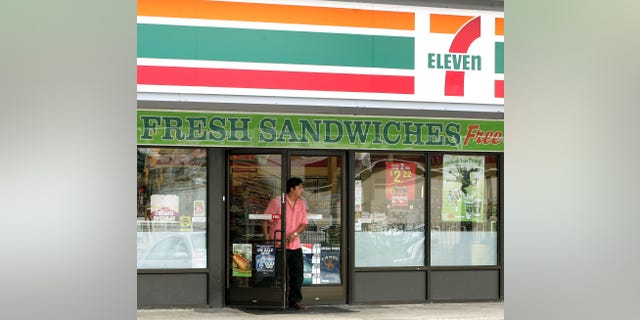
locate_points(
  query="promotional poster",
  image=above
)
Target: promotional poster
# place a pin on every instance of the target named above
(462, 188)
(265, 259)
(330, 265)
(165, 207)
(241, 260)
(400, 187)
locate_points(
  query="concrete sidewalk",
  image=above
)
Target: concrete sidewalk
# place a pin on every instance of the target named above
(426, 311)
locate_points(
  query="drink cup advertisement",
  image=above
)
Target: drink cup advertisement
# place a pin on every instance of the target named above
(463, 188)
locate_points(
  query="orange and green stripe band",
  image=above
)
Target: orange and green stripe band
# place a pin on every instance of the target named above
(277, 13)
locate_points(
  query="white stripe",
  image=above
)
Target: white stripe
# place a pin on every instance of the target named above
(372, 6)
(364, 102)
(213, 94)
(332, 4)
(273, 26)
(270, 92)
(272, 67)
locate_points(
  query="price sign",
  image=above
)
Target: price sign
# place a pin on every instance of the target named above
(400, 183)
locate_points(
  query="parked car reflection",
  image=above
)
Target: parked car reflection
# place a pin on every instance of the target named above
(171, 250)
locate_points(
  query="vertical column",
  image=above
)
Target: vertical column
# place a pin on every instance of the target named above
(216, 220)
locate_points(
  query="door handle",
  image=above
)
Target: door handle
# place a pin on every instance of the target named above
(282, 239)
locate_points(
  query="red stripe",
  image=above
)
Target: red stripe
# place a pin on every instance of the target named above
(260, 79)
(499, 88)
(454, 83)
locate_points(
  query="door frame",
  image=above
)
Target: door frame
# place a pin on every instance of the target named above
(273, 297)
(331, 294)
(320, 294)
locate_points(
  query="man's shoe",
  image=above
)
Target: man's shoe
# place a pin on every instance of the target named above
(298, 306)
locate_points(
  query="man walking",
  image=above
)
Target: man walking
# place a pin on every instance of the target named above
(296, 223)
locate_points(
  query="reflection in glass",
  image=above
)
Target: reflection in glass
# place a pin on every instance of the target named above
(389, 210)
(464, 215)
(321, 241)
(171, 211)
(254, 180)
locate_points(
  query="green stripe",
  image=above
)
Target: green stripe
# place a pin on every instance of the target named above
(269, 46)
(500, 57)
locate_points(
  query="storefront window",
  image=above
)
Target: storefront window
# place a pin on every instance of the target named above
(464, 214)
(389, 210)
(171, 215)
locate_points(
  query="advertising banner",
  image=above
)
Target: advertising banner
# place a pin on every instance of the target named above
(320, 49)
(463, 188)
(183, 128)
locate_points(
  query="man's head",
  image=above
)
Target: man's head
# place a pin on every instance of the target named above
(294, 187)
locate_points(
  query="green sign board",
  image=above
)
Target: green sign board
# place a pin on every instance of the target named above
(256, 130)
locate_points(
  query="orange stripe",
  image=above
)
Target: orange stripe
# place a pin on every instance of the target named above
(499, 26)
(260, 12)
(444, 23)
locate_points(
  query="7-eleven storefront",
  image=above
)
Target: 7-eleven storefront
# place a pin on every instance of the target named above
(391, 115)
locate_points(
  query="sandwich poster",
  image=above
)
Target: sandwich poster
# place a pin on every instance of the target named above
(241, 260)
(463, 188)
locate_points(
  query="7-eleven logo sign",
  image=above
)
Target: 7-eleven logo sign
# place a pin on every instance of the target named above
(465, 59)
(457, 61)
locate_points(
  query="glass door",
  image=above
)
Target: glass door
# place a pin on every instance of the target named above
(254, 273)
(322, 241)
